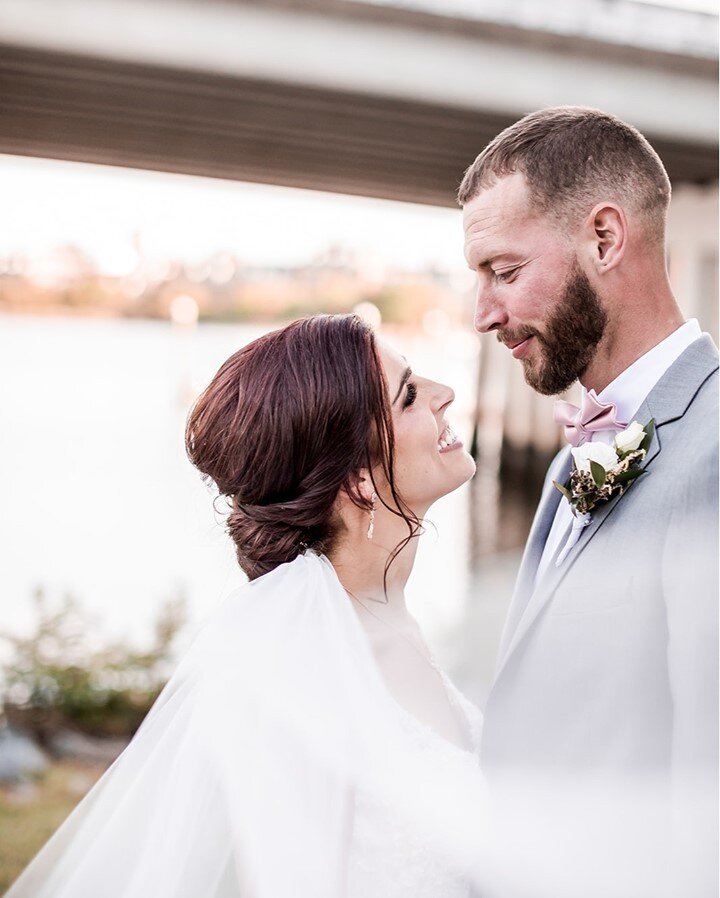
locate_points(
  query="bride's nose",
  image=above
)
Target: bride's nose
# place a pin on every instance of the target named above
(443, 397)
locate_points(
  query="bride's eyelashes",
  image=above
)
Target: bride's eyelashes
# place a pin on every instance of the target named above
(410, 394)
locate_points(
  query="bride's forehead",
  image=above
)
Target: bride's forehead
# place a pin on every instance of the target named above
(393, 362)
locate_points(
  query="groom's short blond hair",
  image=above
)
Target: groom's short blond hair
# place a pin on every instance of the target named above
(573, 157)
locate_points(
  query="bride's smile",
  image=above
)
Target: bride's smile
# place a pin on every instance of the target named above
(430, 458)
(449, 440)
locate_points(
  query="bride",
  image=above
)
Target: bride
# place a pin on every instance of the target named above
(308, 745)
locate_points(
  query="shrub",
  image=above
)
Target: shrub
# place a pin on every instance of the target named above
(54, 679)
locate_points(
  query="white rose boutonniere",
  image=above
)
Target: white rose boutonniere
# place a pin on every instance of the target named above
(631, 438)
(600, 453)
(601, 472)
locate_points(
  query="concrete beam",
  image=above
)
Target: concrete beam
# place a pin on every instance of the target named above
(274, 94)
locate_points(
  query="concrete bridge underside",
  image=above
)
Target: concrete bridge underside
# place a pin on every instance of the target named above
(267, 112)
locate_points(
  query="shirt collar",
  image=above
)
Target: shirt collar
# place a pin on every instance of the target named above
(633, 385)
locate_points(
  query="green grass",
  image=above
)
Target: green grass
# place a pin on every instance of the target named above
(27, 820)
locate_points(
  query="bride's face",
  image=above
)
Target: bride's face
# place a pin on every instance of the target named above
(430, 460)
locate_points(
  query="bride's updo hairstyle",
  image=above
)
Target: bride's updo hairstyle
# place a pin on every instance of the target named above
(286, 423)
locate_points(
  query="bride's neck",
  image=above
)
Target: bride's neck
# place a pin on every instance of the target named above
(360, 564)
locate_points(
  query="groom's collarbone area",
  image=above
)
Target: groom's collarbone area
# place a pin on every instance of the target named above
(617, 566)
(621, 566)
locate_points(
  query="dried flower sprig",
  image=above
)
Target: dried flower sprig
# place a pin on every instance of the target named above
(601, 472)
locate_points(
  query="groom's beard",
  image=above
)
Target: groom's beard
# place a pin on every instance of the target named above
(569, 340)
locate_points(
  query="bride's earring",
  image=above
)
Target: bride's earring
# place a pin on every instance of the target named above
(371, 526)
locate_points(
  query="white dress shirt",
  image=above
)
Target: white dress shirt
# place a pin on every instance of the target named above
(628, 392)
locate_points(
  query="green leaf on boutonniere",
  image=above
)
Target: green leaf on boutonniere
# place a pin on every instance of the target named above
(598, 474)
(649, 432)
(630, 474)
(563, 490)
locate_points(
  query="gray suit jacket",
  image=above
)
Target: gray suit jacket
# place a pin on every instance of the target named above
(611, 662)
(600, 740)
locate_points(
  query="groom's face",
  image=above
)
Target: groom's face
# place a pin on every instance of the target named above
(531, 289)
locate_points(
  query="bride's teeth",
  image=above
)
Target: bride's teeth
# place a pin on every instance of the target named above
(447, 438)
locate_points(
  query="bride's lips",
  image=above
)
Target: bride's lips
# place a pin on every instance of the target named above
(519, 350)
(456, 445)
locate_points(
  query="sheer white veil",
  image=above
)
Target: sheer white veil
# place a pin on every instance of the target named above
(241, 780)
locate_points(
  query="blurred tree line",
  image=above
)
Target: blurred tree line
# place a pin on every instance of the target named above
(226, 290)
(53, 679)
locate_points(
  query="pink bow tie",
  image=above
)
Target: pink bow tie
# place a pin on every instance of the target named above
(593, 415)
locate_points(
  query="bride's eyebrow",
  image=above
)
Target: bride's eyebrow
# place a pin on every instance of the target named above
(407, 373)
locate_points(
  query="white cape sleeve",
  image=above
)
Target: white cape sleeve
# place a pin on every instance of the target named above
(241, 779)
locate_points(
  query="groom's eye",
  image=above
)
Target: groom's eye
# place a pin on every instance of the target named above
(505, 276)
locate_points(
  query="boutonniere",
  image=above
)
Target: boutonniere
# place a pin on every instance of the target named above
(601, 472)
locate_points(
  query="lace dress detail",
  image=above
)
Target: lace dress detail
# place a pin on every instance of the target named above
(390, 857)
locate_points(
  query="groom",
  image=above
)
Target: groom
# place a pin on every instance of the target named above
(600, 730)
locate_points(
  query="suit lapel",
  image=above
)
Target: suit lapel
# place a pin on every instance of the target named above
(542, 522)
(554, 575)
(668, 400)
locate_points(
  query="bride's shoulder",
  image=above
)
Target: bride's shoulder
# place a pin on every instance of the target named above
(271, 621)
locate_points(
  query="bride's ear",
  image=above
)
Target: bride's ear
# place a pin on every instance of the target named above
(362, 487)
(365, 486)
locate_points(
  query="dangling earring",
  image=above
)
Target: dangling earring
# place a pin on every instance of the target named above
(371, 527)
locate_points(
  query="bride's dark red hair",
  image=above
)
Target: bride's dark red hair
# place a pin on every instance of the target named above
(286, 423)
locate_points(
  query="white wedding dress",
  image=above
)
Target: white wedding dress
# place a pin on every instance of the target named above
(393, 858)
(276, 764)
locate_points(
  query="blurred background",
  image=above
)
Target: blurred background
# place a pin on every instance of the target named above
(178, 178)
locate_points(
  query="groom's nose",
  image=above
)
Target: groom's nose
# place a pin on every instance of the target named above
(489, 314)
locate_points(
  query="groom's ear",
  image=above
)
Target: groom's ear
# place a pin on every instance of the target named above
(606, 232)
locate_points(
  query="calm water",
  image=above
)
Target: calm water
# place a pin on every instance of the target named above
(98, 499)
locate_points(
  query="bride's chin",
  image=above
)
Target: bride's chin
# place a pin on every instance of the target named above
(466, 468)
(463, 473)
